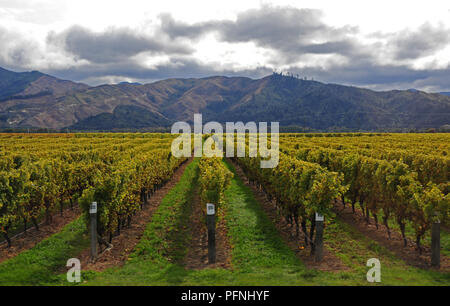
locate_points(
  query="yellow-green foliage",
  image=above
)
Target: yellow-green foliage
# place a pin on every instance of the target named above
(214, 178)
(40, 173)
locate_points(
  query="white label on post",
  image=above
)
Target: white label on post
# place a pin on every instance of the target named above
(93, 209)
(319, 217)
(210, 210)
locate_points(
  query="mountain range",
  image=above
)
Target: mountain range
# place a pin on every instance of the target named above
(37, 100)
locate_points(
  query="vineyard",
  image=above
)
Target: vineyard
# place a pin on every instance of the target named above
(381, 196)
(407, 180)
(39, 174)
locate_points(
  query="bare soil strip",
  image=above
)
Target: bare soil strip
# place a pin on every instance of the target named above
(124, 244)
(27, 240)
(197, 255)
(330, 262)
(409, 254)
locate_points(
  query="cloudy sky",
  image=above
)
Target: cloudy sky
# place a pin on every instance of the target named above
(376, 44)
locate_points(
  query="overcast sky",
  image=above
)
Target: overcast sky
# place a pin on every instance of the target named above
(375, 44)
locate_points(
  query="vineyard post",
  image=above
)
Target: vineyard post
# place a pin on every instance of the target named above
(435, 243)
(211, 224)
(318, 241)
(93, 213)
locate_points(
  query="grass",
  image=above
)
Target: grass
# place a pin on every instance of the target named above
(354, 249)
(37, 266)
(255, 239)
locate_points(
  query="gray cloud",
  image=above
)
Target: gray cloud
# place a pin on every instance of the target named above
(278, 27)
(295, 32)
(111, 45)
(343, 47)
(367, 73)
(177, 29)
(185, 67)
(424, 41)
(284, 29)
(16, 50)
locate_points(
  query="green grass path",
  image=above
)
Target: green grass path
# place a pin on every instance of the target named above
(37, 266)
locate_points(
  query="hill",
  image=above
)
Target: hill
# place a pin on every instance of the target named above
(33, 99)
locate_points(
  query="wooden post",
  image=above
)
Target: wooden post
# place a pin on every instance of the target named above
(436, 244)
(318, 241)
(211, 224)
(94, 239)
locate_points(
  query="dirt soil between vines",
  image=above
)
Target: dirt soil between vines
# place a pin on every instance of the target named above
(129, 237)
(25, 241)
(329, 263)
(409, 253)
(197, 255)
